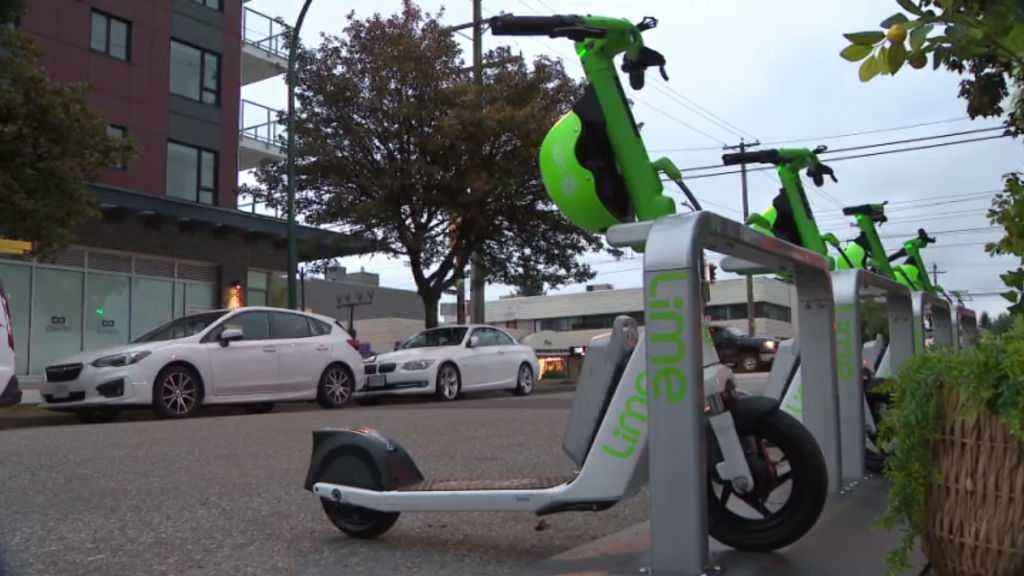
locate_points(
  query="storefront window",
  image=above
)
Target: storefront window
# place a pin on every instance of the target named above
(257, 288)
(107, 311)
(153, 304)
(57, 318)
(17, 281)
(198, 297)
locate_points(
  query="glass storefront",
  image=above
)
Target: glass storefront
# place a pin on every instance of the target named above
(60, 311)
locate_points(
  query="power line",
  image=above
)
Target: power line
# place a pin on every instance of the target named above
(866, 146)
(855, 157)
(834, 137)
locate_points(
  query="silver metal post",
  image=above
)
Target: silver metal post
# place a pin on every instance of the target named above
(819, 371)
(678, 477)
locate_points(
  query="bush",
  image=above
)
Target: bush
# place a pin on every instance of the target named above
(554, 375)
(989, 377)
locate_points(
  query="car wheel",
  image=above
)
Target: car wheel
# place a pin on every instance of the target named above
(749, 363)
(177, 392)
(336, 385)
(524, 381)
(449, 383)
(259, 408)
(97, 416)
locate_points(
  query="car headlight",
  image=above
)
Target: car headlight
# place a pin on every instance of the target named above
(116, 360)
(417, 365)
(769, 345)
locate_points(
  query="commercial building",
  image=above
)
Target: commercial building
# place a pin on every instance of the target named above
(167, 73)
(559, 327)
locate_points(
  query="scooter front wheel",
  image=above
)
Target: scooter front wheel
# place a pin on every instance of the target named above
(799, 478)
(359, 522)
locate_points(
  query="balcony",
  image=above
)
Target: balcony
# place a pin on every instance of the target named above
(260, 135)
(264, 54)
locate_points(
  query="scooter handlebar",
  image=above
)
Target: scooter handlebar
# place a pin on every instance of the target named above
(511, 25)
(761, 156)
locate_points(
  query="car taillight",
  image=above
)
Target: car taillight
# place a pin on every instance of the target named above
(354, 343)
(7, 313)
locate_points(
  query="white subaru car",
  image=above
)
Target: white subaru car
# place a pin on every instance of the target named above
(252, 357)
(10, 392)
(447, 361)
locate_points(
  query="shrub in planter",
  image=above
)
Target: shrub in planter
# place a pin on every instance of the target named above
(554, 375)
(956, 458)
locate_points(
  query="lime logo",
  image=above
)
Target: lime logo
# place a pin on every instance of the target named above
(668, 311)
(798, 401)
(636, 412)
(844, 346)
(570, 185)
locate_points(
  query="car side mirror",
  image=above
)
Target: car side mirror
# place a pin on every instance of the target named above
(230, 335)
(474, 341)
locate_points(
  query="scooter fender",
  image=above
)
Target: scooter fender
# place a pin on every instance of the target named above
(335, 450)
(747, 410)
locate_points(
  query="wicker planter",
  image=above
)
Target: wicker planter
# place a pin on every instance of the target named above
(975, 512)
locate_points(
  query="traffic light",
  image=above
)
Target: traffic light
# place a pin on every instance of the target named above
(711, 273)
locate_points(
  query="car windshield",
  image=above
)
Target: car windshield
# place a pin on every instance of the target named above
(182, 327)
(435, 337)
(734, 331)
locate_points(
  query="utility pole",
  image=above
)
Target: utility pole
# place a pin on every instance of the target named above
(742, 147)
(477, 278)
(935, 273)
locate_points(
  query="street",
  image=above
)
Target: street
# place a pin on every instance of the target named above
(224, 493)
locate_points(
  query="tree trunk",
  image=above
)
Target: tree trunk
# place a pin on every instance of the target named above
(430, 308)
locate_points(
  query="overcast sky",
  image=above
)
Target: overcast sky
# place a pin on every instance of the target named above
(770, 70)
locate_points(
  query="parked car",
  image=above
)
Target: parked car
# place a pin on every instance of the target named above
(253, 357)
(10, 392)
(745, 353)
(448, 361)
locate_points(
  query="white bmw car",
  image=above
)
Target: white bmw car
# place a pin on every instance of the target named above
(450, 360)
(252, 357)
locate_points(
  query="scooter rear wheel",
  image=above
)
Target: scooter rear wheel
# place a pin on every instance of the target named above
(356, 521)
(808, 489)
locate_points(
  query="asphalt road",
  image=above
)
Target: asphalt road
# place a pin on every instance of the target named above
(223, 495)
(214, 496)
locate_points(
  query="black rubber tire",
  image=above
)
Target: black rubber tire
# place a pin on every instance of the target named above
(370, 401)
(743, 359)
(801, 511)
(264, 408)
(161, 409)
(521, 390)
(355, 521)
(323, 398)
(874, 462)
(97, 415)
(438, 393)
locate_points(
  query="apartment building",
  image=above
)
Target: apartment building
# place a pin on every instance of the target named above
(172, 239)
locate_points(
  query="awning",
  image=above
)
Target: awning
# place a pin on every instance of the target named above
(313, 243)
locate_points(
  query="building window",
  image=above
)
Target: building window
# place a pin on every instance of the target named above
(215, 4)
(111, 36)
(117, 132)
(257, 288)
(727, 312)
(772, 311)
(195, 73)
(191, 173)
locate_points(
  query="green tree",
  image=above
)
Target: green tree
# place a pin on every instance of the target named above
(51, 144)
(985, 321)
(1002, 324)
(875, 320)
(983, 42)
(395, 142)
